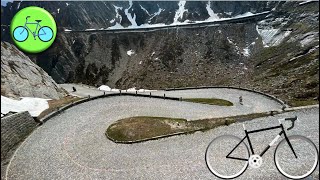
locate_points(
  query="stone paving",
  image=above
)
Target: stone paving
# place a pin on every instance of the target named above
(73, 145)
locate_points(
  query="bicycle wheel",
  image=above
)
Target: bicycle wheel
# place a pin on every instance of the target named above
(306, 161)
(45, 34)
(20, 34)
(219, 164)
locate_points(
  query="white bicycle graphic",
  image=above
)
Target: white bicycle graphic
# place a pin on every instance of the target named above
(295, 157)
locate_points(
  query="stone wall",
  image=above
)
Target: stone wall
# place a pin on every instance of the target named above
(14, 129)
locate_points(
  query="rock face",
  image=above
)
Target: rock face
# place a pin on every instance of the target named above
(20, 77)
(102, 14)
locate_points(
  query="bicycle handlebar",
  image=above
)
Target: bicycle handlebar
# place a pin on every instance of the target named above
(27, 17)
(292, 119)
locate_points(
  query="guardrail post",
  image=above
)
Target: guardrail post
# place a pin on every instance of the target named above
(89, 96)
(120, 92)
(180, 99)
(150, 94)
(136, 92)
(164, 96)
(104, 93)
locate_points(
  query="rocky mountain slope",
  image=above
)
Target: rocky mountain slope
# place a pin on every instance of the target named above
(20, 77)
(278, 55)
(103, 14)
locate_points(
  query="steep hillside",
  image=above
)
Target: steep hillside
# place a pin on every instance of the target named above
(278, 55)
(20, 77)
(290, 69)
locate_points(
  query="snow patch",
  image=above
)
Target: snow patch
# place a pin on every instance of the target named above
(67, 30)
(246, 51)
(213, 16)
(58, 10)
(247, 14)
(129, 16)
(140, 62)
(157, 13)
(306, 2)
(33, 105)
(138, 90)
(116, 8)
(104, 88)
(67, 4)
(179, 12)
(229, 40)
(90, 29)
(144, 9)
(130, 52)
(271, 36)
(107, 88)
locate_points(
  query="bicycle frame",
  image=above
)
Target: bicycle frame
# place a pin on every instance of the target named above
(33, 33)
(267, 148)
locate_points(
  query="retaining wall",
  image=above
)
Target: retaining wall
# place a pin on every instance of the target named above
(14, 129)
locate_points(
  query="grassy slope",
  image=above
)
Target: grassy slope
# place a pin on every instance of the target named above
(289, 70)
(56, 104)
(211, 101)
(147, 128)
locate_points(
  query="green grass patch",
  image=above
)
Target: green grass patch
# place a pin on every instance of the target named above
(306, 102)
(55, 104)
(211, 101)
(143, 128)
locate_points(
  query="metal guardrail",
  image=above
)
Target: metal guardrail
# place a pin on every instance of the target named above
(232, 87)
(55, 113)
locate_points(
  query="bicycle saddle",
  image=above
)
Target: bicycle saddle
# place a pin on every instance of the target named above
(38, 20)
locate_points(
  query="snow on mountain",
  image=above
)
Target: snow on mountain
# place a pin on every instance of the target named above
(179, 12)
(156, 14)
(131, 18)
(117, 13)
(144, 9)
(271, 36)
(213, 16)
(130, 52)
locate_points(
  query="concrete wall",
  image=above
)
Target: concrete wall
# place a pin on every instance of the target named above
(14, 129)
